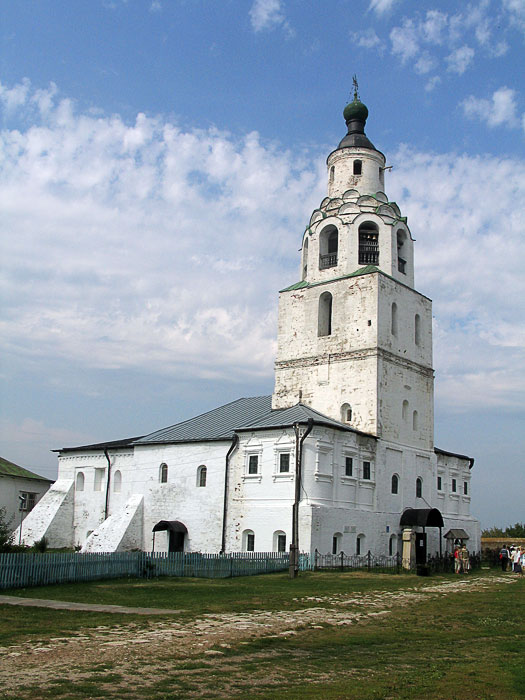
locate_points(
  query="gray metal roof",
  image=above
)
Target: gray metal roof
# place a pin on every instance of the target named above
(251, 413)
(285, 417)
(218, 424)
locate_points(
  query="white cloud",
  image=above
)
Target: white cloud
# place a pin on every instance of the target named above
(268, 14)
(15, 97)
(460, 59)
(516, 12)
(148, 248)
(368, 39)
(381, 7)
(434, 26)
(500, 109)
(471, 266)
(405, 40)
(420, 39)
(432, 83)
(425, 63)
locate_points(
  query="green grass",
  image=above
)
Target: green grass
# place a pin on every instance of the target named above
(464, 645)
(269, 592)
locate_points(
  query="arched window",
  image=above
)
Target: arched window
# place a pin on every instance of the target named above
(358, 166)
(392, 545)
(279, 541)
(332, 174)
(401, 252)
(414, 421)
(346, 413)
(395, 483)
(360, 544)
(117, 481)
(80, 481)
(393, 325)
(163, 473)
(336, 542)
(305, 258)
(417, 329)
(248, 541)
(419, 487)
(404, 410)
(324, 323)
(202, 474)
(328, 247)
(368, 243)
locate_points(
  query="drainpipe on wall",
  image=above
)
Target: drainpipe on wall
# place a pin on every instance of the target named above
(294, 546)
(235, 442)
(106, 509)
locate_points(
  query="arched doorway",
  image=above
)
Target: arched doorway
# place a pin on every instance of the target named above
(176, 532)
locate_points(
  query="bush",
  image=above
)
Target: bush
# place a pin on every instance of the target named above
(41, 545)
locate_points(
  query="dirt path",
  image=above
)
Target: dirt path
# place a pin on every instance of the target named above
(133, 646)
(84, 607)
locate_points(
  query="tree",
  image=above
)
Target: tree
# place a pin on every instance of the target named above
(517, 530)
(492, 532)
(6, 536)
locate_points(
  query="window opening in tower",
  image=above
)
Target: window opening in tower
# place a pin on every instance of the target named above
(368, 244)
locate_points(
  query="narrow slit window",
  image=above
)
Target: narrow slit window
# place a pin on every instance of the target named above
(202, 475)
(393, 328)
(417, 329)
(324, 324)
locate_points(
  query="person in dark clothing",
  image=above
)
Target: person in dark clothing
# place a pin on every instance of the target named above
(504, 557)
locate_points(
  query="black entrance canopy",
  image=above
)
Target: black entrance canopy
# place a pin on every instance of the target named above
(171, 525)
(424, 517)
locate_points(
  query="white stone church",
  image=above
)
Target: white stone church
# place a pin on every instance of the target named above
(350, 422)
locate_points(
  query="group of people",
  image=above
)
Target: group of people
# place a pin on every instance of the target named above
(461, 559)
(513, 557)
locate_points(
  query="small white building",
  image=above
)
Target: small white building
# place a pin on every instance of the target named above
(20, 491)
(350, 422)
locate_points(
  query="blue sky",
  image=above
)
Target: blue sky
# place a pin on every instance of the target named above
(159, 161)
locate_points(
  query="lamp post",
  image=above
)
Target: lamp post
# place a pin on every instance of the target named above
(294, 546)
(22, 499)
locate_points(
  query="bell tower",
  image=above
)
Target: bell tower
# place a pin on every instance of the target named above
(354, 336)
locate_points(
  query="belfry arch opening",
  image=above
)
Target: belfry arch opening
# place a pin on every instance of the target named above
(402, 250)
(368, 243)
(328, 247)
(324, 321)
